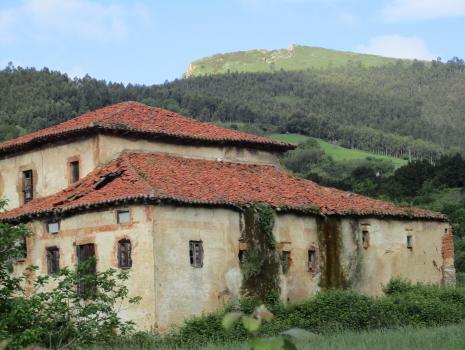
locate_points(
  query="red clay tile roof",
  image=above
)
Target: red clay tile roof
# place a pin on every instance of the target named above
(138, 119)
(159, 177)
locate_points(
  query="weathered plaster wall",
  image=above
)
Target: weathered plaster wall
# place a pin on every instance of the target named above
(172, 290)
(112, 146)
(50, 168)
(387, 256)
(101, 229)
(183, 291)
(297, 234)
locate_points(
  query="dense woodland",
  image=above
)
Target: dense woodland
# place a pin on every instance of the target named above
(411, 110)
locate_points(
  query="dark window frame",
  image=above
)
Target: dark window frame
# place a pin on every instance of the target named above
(286, 260)
(53, 260)
(365, 239)
(124, 254)
(58, 222)
(312, 257)
(28, 185)
(196, 254)
(123, 211)
(74, 171)
(410, 242)
(85, 252)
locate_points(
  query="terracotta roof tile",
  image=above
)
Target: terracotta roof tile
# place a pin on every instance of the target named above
(134, 117)
(162, 177)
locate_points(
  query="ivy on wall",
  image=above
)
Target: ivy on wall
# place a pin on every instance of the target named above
(260, 263)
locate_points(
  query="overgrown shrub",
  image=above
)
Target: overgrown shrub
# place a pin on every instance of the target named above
(60, 313)
(404, 304)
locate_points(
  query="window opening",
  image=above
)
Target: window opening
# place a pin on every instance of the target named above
(53, 260)
(53, 227)
(196, 253)
(28, 189)
(366, 239)
(123, 216)
(409, 242)
(312, 260)
(87, 266)
(124, 254)
(74, 170)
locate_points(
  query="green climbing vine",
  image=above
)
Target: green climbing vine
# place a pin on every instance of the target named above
(260, 262)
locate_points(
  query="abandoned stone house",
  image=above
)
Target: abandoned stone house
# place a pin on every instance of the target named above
(175, 201)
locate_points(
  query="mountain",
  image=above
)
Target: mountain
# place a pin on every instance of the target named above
(296, 57)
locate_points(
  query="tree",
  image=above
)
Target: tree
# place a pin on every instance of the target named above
(58, 314)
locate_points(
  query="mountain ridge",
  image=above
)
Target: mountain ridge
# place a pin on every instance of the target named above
(295, 57)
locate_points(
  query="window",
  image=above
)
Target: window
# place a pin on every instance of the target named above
(241, 256)
(365, 239)
(285, 260)
(124, 254)
(28, 185)
(409, 242)
(86, 266)
(312, 260)
(21, 245)
(53, 260)
(74, 171)
(53, 227)
(196, 253)
(123, 216)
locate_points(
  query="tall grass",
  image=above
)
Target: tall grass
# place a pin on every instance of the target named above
(444, 338)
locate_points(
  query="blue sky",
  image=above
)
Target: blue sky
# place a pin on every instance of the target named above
(148, 42)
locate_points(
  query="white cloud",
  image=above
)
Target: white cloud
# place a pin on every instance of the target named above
(397, 46)
(45, 19)
(398, 10)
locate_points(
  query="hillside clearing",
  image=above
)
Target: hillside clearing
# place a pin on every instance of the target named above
(338, 153)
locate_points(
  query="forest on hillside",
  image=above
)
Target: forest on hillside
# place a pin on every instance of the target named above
(412, 110)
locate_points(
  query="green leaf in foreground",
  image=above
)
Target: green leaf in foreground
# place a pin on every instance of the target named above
(230, 318)
(251, 324)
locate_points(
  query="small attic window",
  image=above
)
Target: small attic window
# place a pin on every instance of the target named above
(123, 216)
(365, 239)
(53, 226)
(409, 242)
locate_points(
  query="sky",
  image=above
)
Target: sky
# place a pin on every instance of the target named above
(149, 42)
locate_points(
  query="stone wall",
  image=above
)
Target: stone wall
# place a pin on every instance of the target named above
(50, 168)
(101, 229)
(173, 290)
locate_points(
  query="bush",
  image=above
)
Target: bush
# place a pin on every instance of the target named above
(404, 304)
(64, 315)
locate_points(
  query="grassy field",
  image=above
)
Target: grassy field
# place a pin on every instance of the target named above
(336, 152)
(296, 57)
(444, 338)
